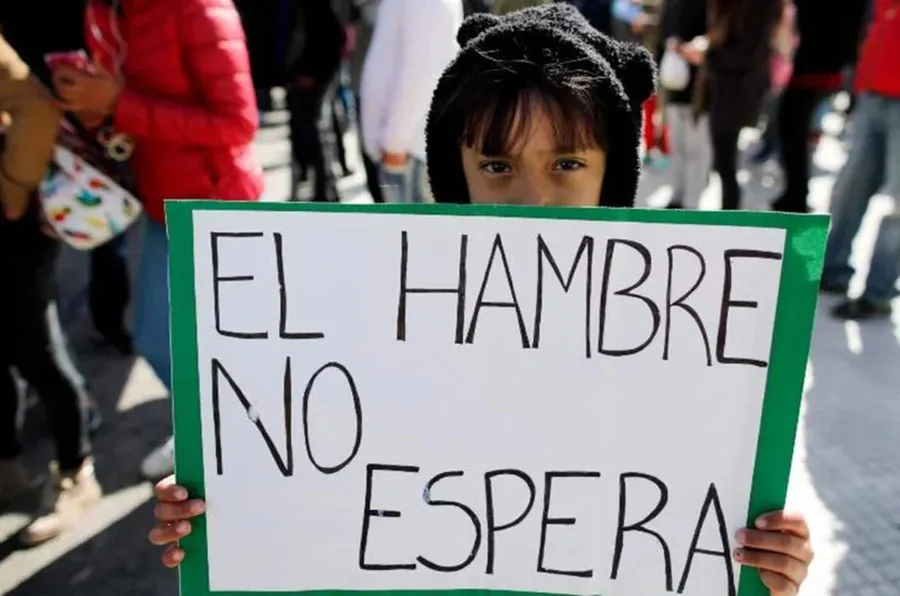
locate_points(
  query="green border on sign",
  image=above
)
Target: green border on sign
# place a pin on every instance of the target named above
(795, 312)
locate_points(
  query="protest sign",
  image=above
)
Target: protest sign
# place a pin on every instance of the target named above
(442, 398)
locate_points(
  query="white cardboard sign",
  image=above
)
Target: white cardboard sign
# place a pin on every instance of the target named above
(384, 401)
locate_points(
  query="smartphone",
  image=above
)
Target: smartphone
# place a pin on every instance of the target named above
(77, 59)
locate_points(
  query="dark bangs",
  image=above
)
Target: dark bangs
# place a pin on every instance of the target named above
(495, 106)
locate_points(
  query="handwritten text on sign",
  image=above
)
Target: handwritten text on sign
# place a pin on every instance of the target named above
(414, 402)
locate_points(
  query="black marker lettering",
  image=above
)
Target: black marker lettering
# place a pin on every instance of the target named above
(641, 526)
(492, 528)
(286, 464)
(369, 513)
(712, 500)
(357, 407)
(214, 247)
(546, 520)
(497, 249)
(283, 299)
(728, 304)
(629, 292)
(680, 302)
(459, 290)
(586, 246)
(476, 544)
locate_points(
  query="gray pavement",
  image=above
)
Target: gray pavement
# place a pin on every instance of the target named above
(846, 473)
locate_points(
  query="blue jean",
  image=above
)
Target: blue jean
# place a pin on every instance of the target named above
(872, 166)
(151, 305)
(406, 184)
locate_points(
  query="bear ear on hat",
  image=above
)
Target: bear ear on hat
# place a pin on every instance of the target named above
(637, 72)
(475, 25)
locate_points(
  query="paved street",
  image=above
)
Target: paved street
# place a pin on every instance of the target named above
(846, 470)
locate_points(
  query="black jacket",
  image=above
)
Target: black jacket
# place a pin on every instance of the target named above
(317, 43)
(740, 68)
(830, 32)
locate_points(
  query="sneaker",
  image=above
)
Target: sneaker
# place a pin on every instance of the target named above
(13, 479)
(160, 463)
(862, 309)
(66, 497)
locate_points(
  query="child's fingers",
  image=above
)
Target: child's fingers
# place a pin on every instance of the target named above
(172, 557)
(777, 542)
(778, 584)
(173, 512)
(167, 490)
(791, 568)
(781, 521)
(164, 534)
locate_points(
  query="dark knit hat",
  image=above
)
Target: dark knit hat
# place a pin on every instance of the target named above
(547, 51)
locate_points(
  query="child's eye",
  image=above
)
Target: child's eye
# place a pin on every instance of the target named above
(566, 165)
(495, 167)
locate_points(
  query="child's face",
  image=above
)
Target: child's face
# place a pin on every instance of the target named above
(537, 173)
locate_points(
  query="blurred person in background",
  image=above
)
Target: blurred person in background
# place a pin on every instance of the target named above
(682, 22)
(735, 55)
(181, 92)
(31, 338)
(873, 165)
(34, 36)
(412, 44)
(364, 15)
(313, 66)
(829, 38)
(638, 21)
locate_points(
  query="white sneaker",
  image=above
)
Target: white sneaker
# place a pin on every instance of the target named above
(160, 463)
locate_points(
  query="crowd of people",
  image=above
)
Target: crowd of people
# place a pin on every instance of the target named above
(457, 101)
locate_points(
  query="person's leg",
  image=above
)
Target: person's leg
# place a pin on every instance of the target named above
(303, 131)
(395, 183)
(795, 116)
(725, 155)
(13, 476)
(881, 283)
(324, 151)
(109, 291)
(699, 159)
(677, 116)
(151, 329)
(420, 190)
(860, 178)
(373, 178)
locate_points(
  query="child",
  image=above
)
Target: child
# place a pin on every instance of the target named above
(549, 128)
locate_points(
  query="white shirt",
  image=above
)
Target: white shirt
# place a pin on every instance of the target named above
(413, 42)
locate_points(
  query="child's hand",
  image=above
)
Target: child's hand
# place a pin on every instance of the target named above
(173, 509)
(779, 547)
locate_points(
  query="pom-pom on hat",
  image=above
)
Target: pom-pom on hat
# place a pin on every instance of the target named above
(547, 56)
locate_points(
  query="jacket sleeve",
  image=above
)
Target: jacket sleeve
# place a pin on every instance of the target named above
(214, 52)
(415, 76)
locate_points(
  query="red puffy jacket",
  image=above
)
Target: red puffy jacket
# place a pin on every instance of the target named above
(188, 100)
(878, 70)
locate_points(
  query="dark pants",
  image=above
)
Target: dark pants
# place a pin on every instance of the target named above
(794, 120)
(725, 162)
(312, 136)
(373, 172)
(109, 290)
(32, 342)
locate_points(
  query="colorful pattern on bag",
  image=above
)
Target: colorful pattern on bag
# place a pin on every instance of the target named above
(84, 206)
